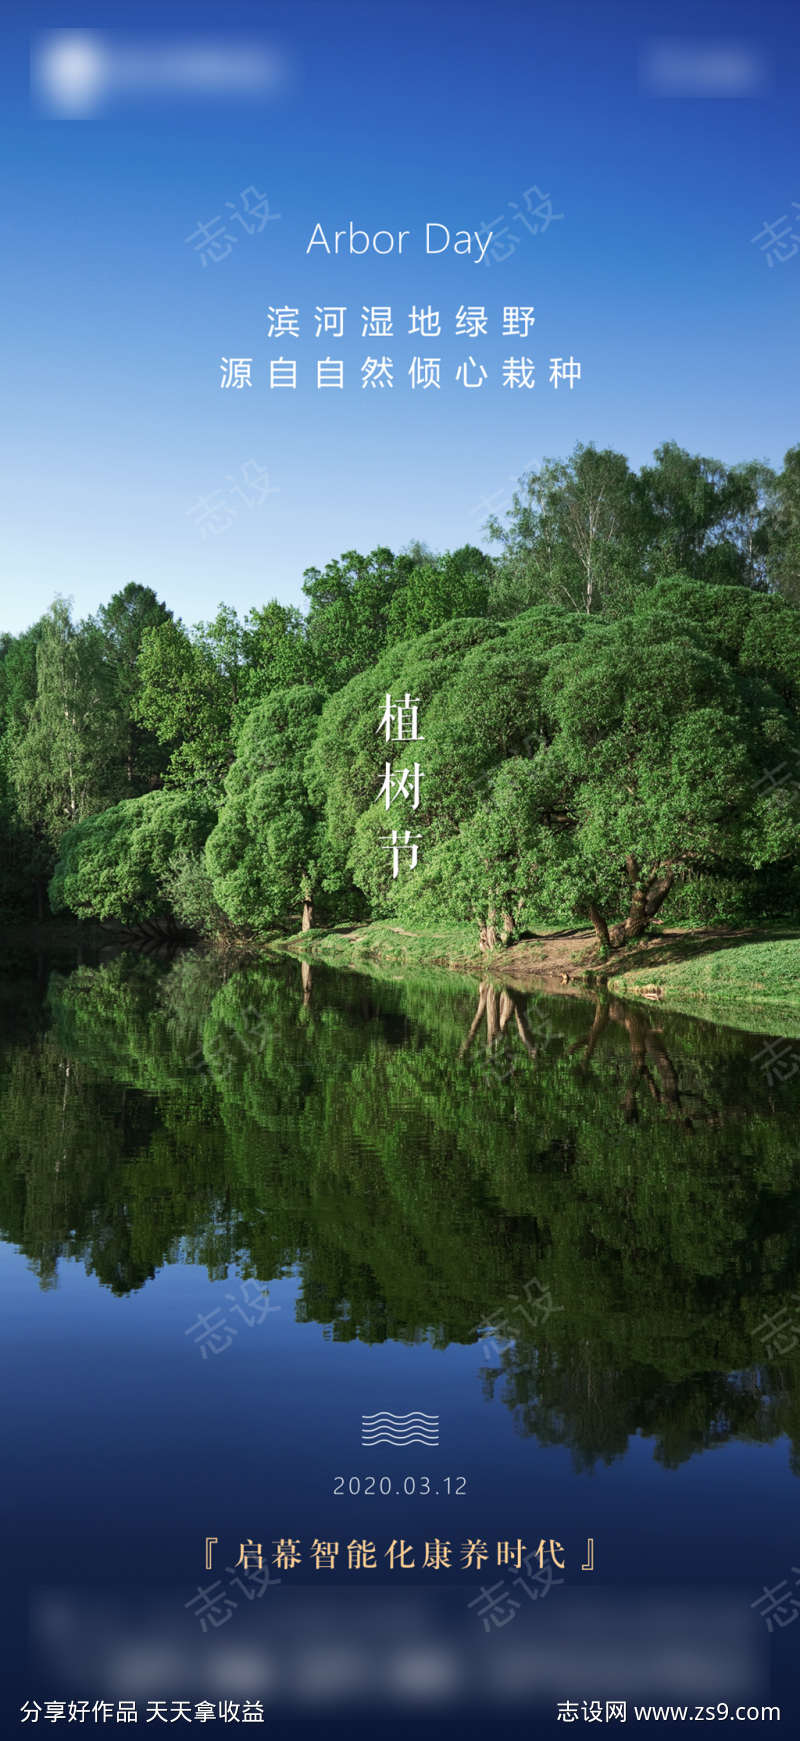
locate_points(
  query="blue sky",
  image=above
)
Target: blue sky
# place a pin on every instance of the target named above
(116, 429)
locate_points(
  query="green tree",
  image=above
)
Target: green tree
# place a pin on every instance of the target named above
(24, 855)
(348, 615)
(123, 622)
(783, 529)
(579, 768)
(278, 650)
(439, 588)
(119, 864)
(268, 850)
(652, 772)
(66, 762)
(346, 765)
(703, 518)
(191, 683)
(572, 536)
(590, 534)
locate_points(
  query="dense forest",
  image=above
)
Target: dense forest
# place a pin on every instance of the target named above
(608, 709)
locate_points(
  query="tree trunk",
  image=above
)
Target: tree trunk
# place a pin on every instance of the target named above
(636, 921)
(492, 1017)
(488, 932)
(656, 1049)
(646, 898)
(599, 1025)
(308, 912)
(483, 994)
(524, 1031)
(600, 925)
(657, 892)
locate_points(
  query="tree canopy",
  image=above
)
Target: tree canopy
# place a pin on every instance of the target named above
(608, 708)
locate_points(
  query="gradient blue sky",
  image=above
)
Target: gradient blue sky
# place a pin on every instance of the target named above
(115, 424)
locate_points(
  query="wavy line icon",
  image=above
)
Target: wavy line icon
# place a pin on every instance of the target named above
(414, 1428)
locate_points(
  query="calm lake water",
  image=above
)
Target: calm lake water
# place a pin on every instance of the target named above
(242, 1208)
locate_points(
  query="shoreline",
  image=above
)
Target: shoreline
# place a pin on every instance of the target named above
(739, 976)
(744, 977)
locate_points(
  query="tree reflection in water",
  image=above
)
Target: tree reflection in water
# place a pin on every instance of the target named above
(634, 1162)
